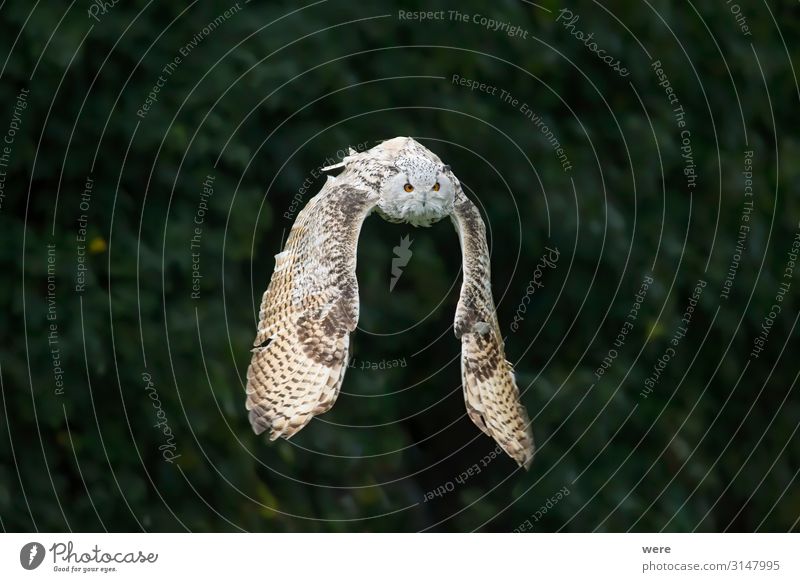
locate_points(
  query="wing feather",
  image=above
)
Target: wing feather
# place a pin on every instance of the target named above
(307, 313)
(490, 391)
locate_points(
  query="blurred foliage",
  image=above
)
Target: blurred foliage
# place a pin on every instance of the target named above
(262, 101)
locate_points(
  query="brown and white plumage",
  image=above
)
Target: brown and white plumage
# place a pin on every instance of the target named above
(310, 308)
(490, 390)
(307, 314)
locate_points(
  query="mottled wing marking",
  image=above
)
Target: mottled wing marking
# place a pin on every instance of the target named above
(490, 391)
(300, 352)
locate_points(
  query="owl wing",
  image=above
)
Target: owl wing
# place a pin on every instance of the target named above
(300, 352)
(490, 390)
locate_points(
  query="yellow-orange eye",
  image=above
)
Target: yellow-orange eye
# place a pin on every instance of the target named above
(408, 188)
(436, 187)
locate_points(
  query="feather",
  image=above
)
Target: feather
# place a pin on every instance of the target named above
(302, 347)
(490, 390)
(307, 314)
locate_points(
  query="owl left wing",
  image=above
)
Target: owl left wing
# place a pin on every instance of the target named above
(490, 391)
(307, 313)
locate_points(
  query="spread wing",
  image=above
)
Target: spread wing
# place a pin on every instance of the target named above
(490, 390)
(307, 313)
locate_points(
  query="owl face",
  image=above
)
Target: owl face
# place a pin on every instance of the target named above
(419, 193)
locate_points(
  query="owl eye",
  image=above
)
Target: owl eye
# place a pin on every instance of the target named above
(408, 188)
(436, 187)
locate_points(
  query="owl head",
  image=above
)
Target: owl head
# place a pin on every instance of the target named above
(418, 189)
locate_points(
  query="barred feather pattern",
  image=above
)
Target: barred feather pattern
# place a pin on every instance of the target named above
(307, 313)
(490, 390)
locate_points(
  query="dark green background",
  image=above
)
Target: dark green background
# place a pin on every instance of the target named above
(713, 448)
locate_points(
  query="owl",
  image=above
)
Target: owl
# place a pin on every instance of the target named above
(310, 308)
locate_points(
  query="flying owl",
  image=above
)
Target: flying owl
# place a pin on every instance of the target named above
(307, 313)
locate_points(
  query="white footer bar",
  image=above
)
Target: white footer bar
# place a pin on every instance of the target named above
(355, 557)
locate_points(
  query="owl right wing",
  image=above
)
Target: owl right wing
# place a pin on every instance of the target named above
(490, 390)
(300, 352)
